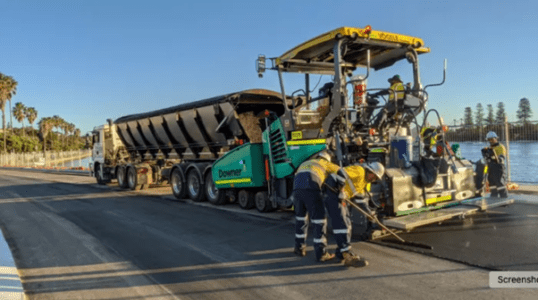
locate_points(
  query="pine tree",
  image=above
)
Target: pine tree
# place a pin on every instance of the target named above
(501, 114)
(524, 112)
(468, 116)
(479, 117)
(491, 117)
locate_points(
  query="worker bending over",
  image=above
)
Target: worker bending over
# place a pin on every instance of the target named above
(347, 184)
(308, 202)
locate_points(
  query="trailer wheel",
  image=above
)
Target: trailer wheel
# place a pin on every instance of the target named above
(132, 179)
(178, 186)
(245, 199)
(122, 178)
(213, 195)
(263, 204)
(195, 188)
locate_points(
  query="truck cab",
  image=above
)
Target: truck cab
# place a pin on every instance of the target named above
(105, 143)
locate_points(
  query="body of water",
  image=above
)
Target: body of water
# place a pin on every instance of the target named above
(76, 163)
(523, 158)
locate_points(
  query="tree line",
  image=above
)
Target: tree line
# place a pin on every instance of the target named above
(476, 126)
(524, 113)
(16, 140)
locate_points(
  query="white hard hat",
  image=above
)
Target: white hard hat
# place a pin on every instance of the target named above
(325, 155)
(491, 135)
(375, 167)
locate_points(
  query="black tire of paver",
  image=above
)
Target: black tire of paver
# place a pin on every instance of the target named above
(262, 202)
(179, 188)
(245, 199)
(212, 194)
(195, 187)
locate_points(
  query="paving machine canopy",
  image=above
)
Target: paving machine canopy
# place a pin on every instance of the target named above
(317, 55)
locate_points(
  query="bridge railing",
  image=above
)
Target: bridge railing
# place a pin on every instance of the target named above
(52, 159)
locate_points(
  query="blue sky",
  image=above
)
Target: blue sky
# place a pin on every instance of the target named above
(87, 61)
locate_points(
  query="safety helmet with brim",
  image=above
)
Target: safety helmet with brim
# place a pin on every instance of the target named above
(376, 168)
(491, 135)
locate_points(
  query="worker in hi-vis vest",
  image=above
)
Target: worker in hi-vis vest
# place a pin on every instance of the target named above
(348, 183)
(308, 203)
(496, 166)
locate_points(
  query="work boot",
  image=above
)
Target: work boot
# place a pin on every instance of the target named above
(326, 257)
(300, 252)
(352, 260)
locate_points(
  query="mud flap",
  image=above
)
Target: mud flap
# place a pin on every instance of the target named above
(451, 210)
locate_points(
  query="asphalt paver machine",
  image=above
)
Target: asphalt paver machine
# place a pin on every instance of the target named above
(353, 119)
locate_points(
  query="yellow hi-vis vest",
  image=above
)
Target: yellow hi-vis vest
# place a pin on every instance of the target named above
(357, 176)
(398, 89)
(500, 151)
(433, 138)
(318, 169)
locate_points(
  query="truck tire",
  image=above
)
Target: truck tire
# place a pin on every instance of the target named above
(195, 187)
(98, 175)
(122, 177)
(132, 179)
(263, 204)
(245, 199)
(179, 187)
(212, 194)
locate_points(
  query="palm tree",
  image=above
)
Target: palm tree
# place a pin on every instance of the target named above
(56, 123)
(3, 108)
(71, 128)
(8, 88)
(11, 84)
(31, 115)
(19, 112)
(45, 126)
(65, 127)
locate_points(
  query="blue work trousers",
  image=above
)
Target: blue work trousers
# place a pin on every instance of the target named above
(497, 180)
(340, 219)
(308, 202)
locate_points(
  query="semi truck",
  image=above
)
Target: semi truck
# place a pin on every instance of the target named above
(246, 146)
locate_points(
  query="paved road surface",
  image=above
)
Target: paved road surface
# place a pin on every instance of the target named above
(74, 240)
(504, 239)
